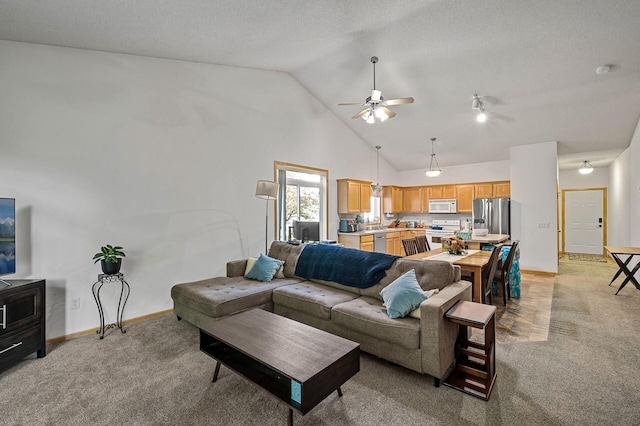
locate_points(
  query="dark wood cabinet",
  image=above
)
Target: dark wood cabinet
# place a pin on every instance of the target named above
(22, 329)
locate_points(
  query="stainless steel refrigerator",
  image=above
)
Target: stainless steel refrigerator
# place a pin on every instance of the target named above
(493, 214)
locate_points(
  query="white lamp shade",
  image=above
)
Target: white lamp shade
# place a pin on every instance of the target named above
(267, 190)
(586, 168)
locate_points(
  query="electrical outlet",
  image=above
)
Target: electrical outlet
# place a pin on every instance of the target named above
(75, 303)
(544, 225)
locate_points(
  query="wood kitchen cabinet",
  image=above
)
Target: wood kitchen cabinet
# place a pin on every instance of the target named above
(502, 189)
(493, 189)
(354, 196)
(356, 241)
(394, 244)
(465, 198)
(442, 192)
(392, 199)
(412, 200)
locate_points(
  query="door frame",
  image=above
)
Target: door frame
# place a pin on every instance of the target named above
(604, 214)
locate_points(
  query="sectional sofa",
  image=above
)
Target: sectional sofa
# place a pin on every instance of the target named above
(424, 344)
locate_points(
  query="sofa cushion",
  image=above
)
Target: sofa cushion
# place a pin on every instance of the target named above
(289, 253)
(429, 273)
(222, 296)
(367, 315)
(265, 268)
(252, 261)
(311, 298)
(403, 295)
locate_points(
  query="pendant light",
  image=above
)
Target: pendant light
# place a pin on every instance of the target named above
(433, 171)
(586, 168)
(376, 190)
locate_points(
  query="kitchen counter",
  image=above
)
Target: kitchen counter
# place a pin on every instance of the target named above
(380, 231)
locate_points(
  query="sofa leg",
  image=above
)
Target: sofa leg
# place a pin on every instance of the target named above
(179, 319)
(436, 382)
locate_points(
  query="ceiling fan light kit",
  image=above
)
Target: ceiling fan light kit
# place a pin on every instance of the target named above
(586, 168)
(376, 107)
(477, 104)
(433, 171)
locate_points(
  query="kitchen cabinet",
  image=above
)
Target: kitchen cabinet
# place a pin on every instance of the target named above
(493, 189)
(484, 190)
(392, 198)
(439, 192)
(412, 200)
(356, 241)
(502, 189)
(394, 244)
(465, 198)
(354, 196)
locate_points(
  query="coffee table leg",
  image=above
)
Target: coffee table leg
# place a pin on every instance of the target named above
(339, 391)
(290, 418)
(215, 373)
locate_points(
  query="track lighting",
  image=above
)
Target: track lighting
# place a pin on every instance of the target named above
(586, 168)
(433, 171)
(479, 105)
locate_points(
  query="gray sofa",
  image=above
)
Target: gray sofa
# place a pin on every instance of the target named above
(425, 345)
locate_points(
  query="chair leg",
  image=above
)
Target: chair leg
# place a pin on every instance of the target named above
(504, 293)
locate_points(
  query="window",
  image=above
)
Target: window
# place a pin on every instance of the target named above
(374, 215)
(302, 197)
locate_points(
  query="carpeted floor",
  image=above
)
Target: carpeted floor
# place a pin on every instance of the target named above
(587, 257)
(584, 373)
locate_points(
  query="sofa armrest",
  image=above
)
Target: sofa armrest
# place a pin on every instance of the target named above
(438, 336)
(236, 268)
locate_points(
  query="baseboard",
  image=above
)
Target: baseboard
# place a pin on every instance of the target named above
(93, 330)
(545, 273)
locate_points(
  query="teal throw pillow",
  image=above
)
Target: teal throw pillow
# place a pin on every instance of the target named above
(403, 295)
(265, 268)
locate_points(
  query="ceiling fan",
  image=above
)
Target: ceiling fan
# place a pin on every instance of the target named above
(377, 106)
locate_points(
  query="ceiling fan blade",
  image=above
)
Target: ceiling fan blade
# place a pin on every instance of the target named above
(352, 104)
(398, 101)
(361, 113)
(389, 113)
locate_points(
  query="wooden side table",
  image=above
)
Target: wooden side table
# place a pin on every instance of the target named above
(475, 371)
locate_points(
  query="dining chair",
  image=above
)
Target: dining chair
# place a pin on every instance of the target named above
(488, 276)
(423, 244)
(410, 246)
(502, 277)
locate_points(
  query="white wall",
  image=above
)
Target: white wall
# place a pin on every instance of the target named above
(534, 170)
(634, 188)
(158, 156)
(618, 201)
(479, 172)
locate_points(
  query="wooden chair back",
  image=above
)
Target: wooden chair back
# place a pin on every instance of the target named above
(487, 278)
(410, 246)
(423, 244)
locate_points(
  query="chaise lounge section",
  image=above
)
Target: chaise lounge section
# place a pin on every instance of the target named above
(423, 342)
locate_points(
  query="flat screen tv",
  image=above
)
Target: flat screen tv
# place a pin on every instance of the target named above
(306, 231)
(7, 236)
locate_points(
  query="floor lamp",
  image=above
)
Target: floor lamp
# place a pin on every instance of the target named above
(266, 190)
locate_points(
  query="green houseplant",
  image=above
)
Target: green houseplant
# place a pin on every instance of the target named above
(110, 258)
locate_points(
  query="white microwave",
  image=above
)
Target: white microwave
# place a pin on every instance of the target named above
(443, 206)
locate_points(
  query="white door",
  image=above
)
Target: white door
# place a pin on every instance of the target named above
(584, 221)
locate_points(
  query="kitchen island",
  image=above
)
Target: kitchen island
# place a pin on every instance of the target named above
(476, 242)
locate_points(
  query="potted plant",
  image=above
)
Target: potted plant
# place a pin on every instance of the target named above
(110, 258)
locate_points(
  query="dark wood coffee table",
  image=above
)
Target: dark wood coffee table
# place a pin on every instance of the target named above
(298, 364)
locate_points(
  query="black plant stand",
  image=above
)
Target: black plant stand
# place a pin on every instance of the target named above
(124, 295)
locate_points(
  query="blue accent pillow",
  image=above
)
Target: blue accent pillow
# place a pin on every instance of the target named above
(403, 295)
(265, 268)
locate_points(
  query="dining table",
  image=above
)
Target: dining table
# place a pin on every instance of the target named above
(474, 261)
(623, 266)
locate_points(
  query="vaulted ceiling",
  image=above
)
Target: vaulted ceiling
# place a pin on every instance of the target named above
(532, 62)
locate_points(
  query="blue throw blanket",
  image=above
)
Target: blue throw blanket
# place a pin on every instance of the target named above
(351, 267)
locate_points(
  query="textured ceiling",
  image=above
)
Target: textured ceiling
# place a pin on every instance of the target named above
(533, 62)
